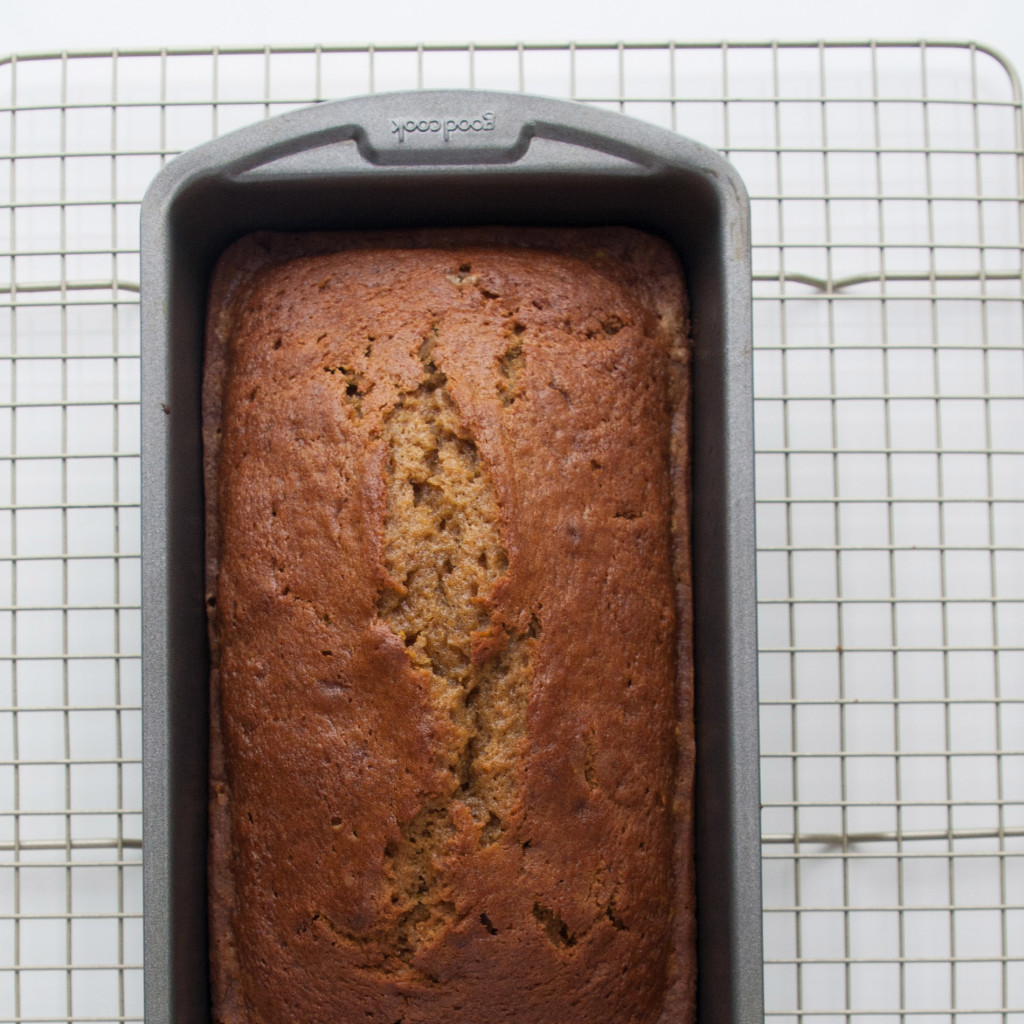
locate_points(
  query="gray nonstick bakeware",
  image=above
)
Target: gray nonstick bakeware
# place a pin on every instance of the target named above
(423, 159)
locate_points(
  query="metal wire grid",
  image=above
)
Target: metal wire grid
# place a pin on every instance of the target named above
(889, 371)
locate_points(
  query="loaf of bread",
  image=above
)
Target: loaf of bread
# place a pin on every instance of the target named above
(449, 606)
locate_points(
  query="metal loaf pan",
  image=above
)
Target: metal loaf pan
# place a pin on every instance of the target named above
(440, 159)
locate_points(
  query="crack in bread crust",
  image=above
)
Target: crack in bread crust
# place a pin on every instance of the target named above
(444, 551)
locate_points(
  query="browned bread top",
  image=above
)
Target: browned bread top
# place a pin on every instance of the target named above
(448, 579)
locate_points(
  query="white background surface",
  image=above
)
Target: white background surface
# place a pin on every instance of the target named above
(926, 926)
(100, 24)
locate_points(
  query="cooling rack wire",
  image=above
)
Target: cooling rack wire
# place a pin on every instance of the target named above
(887, 182)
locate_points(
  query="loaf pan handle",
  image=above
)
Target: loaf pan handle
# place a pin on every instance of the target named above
(415, 129)
(472, 128)
(422, 129)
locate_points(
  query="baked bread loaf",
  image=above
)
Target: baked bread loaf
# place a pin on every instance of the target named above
(448, 590)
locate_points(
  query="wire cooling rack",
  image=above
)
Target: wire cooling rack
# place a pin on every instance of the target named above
(888, 186)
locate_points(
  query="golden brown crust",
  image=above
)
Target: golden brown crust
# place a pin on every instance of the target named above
(556, 363)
